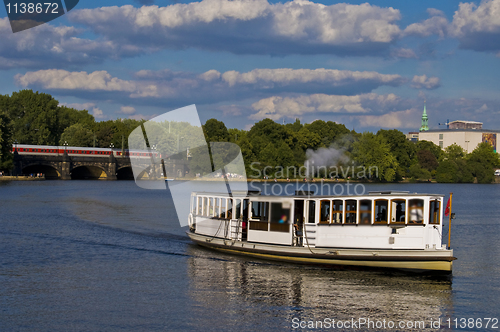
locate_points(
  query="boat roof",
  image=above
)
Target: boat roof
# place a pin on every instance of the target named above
(299, 194)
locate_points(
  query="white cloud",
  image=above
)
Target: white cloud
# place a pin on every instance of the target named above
(46, 46)
(62, 79)
(478, 27)
(436, 25)
(404, 53)
(483, 108)
(287, 76)
(435, 12)
(424, 82)
(127, 110)
(277, 107)
(249, 26)
(98, 114)
(231, 110)
(209, 87)
(398, 119)
(94, 110)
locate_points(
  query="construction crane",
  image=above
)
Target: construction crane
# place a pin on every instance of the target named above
(447, 124)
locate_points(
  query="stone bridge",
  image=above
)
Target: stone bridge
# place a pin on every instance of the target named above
(67, 167)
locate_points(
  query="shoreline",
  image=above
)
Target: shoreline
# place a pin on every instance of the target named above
(315, 181)
(21, 178)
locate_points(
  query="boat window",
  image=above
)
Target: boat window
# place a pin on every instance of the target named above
(194, 204)
(229, 211)
(365, 212)
(210, 206)
(280, 218)
(217, 212)
(223, 210)
(200, 206)
(311, 218)
(350, 211)
(260, 211)
(324, 212)
(381, 211)
(398, 211)
(237, 209)
(416, 211)
(246, 203)
(434, 211)
(338, 211)
(205, 206)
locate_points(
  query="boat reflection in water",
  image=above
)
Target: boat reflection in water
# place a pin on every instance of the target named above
(283, 292)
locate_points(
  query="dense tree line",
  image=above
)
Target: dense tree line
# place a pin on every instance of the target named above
(268, 148)
(327, 148)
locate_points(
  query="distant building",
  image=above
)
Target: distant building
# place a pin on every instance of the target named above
(412, 136)
(465, 125)
(468, 138)
(467, 134)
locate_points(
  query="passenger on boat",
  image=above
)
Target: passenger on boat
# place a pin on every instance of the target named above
(298, 233)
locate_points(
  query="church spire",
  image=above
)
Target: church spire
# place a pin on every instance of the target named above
(425, 121)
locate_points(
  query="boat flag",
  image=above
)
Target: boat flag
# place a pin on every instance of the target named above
(447, 210)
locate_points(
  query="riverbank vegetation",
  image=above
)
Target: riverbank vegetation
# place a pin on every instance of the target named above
(28, 117)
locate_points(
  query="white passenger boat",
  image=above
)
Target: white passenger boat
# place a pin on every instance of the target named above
(394, 230)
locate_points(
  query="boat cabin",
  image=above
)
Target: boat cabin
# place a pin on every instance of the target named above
(381, 220)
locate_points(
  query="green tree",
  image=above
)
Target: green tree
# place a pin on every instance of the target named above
(35, 117)
(215, 131)
(430, 146)
(68, 116)
(295, 127)
(307, 139)
(248, 155)
(483, 161)
(264, 132)
(122, 129)
(371, 150)
(427, 160)
(447, 172)
(104, 134)
(235, 134)
(285, 155)
(454, 152)
(77, 135)
(401, 148)
(454, 167)
(416, 172)
(5, 141)
(327, 131)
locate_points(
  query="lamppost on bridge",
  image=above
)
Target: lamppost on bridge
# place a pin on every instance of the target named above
(65, 147)
(111, 146)
(153, 161)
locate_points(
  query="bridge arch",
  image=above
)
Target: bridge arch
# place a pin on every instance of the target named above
(88, 172)
(125, 173)
(49, 171)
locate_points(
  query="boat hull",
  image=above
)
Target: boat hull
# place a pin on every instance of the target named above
(430, 261)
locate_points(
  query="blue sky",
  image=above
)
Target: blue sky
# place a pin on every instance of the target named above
(368, 65)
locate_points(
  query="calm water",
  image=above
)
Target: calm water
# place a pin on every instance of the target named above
(105, 256)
